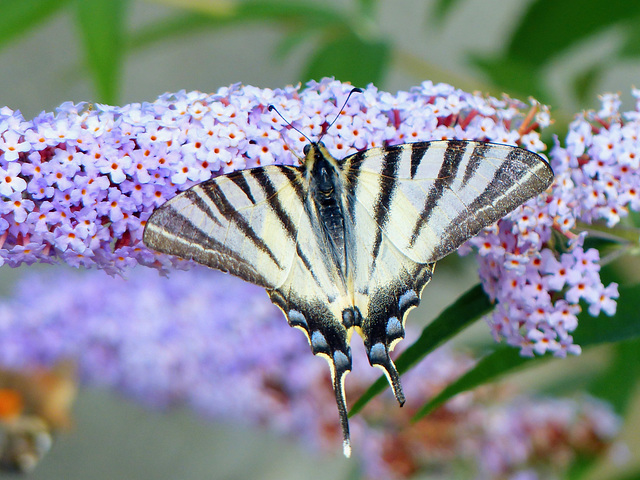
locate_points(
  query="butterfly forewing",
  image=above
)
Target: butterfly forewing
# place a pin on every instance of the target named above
(244, 223)
(443, 192)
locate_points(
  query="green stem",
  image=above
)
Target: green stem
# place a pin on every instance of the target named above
(619, 233)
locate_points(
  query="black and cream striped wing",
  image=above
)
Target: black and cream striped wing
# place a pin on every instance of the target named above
(256, 224)
(245, 223)
(430, 197)
(413, 204)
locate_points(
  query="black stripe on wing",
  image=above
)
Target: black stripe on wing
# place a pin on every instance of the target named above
(239, 179)
(479, 152)
(271, 195)
(351, 168)
(448, 171)
(199, 202)
(217, 196)
(388, 184)
(418, 151)
(280, 211)
(169, 231)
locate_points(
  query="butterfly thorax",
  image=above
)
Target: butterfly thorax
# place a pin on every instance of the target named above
(326, 199)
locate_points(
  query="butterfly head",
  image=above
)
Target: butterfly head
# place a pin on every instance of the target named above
(316, 153)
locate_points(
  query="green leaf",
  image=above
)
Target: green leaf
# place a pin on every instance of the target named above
(518, 77)
(367, 7)
(618, 383)
(549, 27)
(305, 20)
(292, 41)
(349, 58)
(631, 44)
(633, 475)
(175, 26)
(101, 24)
(584, 83)
(314, 14)
(441, 9)
(463, 312)
(624, 325)
(490, 367)
(20, 16)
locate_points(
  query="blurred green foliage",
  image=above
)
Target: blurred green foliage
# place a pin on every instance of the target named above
(345, 38)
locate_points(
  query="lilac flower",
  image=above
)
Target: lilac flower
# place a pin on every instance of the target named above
(187, 341)
(111, 166)
(10, 143)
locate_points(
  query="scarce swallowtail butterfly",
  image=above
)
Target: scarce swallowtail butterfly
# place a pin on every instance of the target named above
(348, 244)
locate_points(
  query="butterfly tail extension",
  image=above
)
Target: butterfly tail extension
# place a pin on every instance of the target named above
(379, 357)
(327, 339)
(339, 370)
(384, 326)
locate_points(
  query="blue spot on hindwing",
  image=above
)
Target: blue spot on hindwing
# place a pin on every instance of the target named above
(408, 299)
(394, 328)
(319, 343)
(378, 354)
(341, 361)
(297, 319)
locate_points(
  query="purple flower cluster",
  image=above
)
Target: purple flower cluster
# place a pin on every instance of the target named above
(77, 186)
(538, 289)
(539, 438)
(599, 169)
(185, 340)
(534, 264)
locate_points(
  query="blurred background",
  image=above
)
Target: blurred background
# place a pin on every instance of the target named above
(117, 52)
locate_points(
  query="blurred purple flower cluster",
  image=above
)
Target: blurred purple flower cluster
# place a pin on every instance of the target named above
(185, 340)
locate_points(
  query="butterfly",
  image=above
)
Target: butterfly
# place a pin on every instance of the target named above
(348, 244)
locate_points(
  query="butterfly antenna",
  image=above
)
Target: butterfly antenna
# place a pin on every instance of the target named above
(353, 90)
(274, 109)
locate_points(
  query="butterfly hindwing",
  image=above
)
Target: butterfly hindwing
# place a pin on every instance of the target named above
(391, 288)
